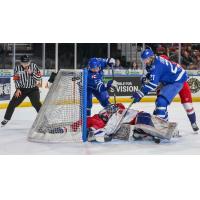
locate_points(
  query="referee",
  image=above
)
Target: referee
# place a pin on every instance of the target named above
(26, 77)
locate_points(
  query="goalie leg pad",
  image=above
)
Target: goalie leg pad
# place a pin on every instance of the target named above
(139, 134)
(161, 128)
(124, 132)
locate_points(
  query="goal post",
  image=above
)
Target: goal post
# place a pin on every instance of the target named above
(63, 115)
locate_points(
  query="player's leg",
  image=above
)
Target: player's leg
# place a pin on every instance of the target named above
(161, 107)
(170, 91)
(103, 98)
(166, 95)
(89, 101)
(186, 100)
(11, 108)
(34, 97)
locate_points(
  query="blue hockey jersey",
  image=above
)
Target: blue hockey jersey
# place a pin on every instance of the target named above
(165, 72)
(95, 79)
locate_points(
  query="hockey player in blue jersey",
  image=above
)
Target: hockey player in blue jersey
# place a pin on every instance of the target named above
(169, 74)
(95, 85)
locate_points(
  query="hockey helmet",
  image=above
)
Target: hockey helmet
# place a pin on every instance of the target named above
(148, 57)
(93, 63)
(147, 53)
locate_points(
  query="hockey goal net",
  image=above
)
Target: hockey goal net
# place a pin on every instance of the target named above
(62, 117)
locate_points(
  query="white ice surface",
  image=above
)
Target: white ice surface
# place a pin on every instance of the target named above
(13, 137)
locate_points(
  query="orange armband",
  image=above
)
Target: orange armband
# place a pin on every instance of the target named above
(16, 77)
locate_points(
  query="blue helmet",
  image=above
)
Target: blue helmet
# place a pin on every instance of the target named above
(146, 54)
(93, 63)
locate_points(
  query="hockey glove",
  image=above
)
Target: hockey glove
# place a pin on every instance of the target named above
(109, 84)
(111, 62)
(137, 96)
(113, 84)
(145, 78)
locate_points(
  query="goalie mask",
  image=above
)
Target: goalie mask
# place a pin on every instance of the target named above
(108, 111)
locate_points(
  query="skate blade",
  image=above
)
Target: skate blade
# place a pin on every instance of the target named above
(196, 132)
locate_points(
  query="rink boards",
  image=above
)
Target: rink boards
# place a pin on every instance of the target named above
(128, 83)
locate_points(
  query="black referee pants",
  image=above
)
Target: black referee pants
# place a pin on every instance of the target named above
(32, 93)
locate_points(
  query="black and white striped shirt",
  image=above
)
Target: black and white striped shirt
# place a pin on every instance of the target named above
(23, 79)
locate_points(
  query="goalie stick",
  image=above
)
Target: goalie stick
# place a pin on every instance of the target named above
(122, 117)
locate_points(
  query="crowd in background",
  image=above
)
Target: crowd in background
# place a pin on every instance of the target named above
(189, 56)
(189, 60)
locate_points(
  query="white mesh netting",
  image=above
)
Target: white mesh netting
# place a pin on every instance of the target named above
(60, 118)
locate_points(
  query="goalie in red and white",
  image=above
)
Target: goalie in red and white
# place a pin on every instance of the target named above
(124, 124)
(115, 121)
(118, 122)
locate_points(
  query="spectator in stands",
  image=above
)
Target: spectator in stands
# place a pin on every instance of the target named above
(195, 53)
(196, 60)
(189, 49)
(173, 54)
(161, 51)
(186, 59)
(134, 66)
(118, 65)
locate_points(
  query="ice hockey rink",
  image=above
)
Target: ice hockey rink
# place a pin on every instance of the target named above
(13, 137)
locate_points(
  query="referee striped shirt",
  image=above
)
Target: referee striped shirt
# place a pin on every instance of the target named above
(23, 79)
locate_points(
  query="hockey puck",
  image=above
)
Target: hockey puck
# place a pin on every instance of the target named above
(157, 140)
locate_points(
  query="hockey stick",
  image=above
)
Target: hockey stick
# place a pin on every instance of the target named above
(114, 88)
(122, 117)
(128, 108)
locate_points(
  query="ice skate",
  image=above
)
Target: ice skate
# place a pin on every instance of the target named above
(4, 122)
(195, 128)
